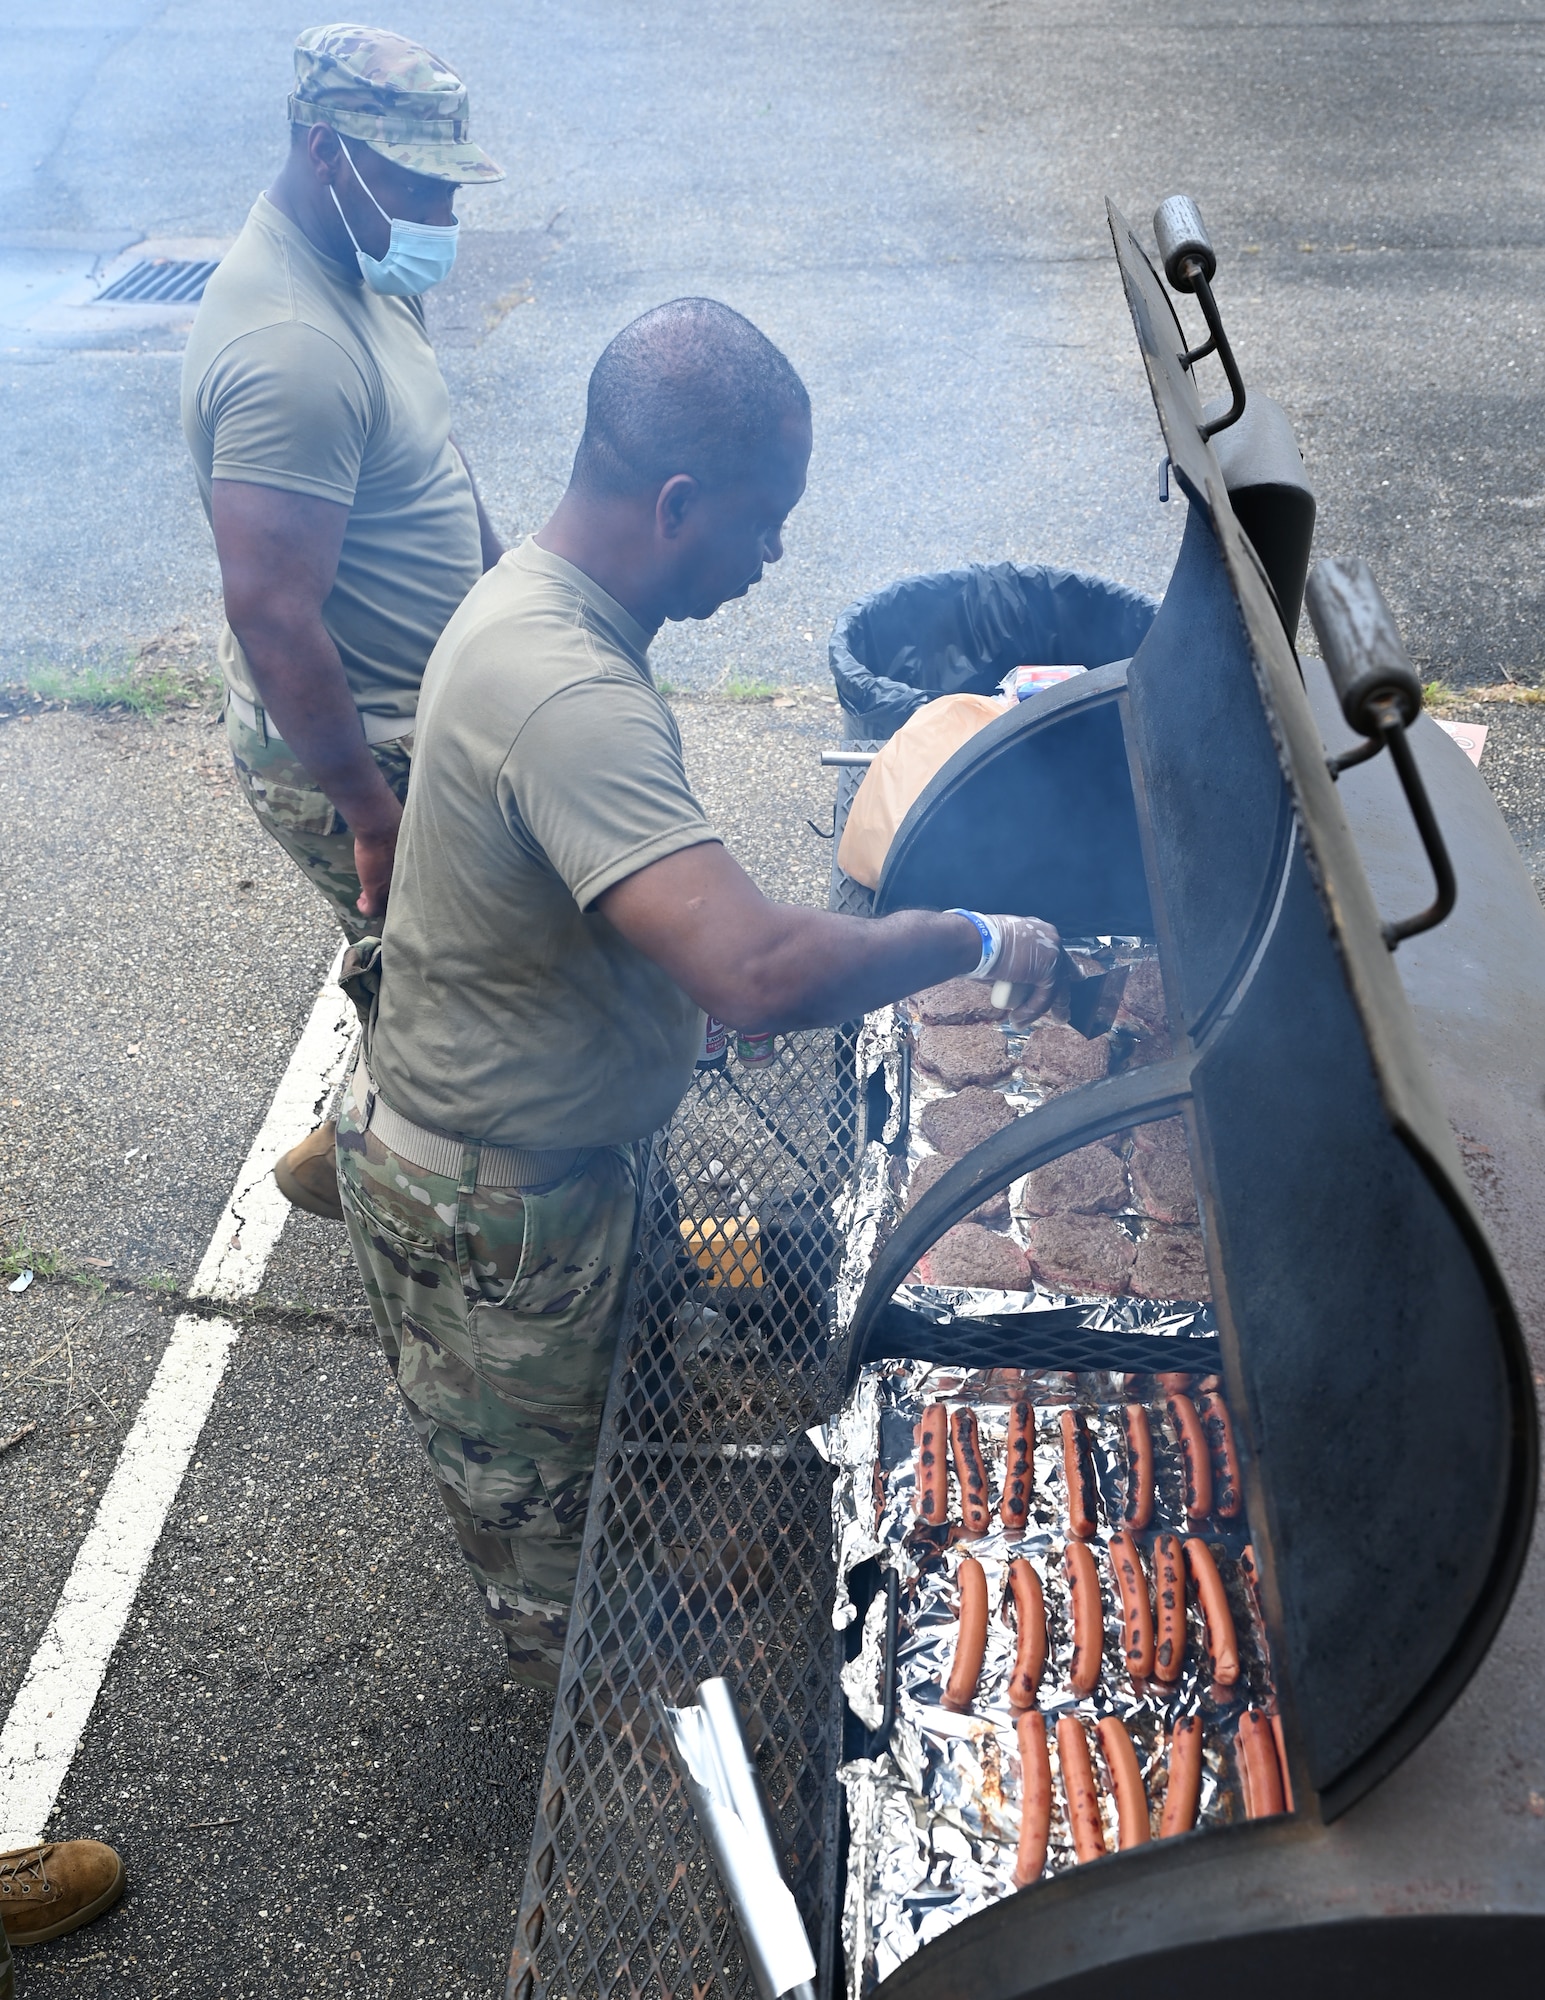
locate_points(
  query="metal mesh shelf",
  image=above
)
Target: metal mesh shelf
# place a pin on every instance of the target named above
(707, 1548)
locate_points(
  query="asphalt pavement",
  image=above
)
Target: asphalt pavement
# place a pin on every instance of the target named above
(306, 1745)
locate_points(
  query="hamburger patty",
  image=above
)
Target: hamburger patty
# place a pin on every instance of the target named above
(1057, 1056)
(1161, 1171)
(971, 1255)
(1170, 1264)
(1142, 998)
(1090, 1180)
(954, 1002)
(955, 1124)
(931, 1167)
(957, 1056)
(1081, 1253)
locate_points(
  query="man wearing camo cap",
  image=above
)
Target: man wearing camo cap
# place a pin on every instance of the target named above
(346, 522)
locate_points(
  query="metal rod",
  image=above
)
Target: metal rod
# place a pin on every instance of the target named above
(847, 757)
(1210, 313)
(1432, 840)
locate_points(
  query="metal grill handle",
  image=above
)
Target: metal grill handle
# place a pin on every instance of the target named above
(1380, 696)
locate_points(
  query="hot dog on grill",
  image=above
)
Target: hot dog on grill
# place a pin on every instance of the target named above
(1169, 1576)
(971, 1640)
(1126, 1783)
(1078, 1788)
(1088, 1617)
(1260, 1775)
(1030, 1623)
(1034, 1799)
(1193, 1451)
(1218, 1429)
(1222, 1645)
(966, 1448)
(1078, 1476)
(1014, 1509)
(933, 1467)
(1183, 1790)
(1282, 1762)
(1136, 1607)
(1170, 1385)
(1139, 1501)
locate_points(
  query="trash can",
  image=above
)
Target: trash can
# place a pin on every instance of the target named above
(961, 630)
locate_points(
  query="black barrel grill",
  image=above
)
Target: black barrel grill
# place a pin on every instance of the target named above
(1368, 1140)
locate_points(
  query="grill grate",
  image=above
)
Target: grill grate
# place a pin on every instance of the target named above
(160, 281)
(707, 1548)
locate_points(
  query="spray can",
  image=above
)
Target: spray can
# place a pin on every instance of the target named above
(713, 1051)
(753, 1049)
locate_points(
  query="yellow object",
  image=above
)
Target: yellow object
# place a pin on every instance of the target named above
(730, 1251)
(894, 782)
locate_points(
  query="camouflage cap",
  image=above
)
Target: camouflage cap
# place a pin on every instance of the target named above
(370, 84)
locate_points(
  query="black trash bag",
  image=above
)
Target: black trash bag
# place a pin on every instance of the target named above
(960, 632)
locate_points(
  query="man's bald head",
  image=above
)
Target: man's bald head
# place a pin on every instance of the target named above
(689, 387)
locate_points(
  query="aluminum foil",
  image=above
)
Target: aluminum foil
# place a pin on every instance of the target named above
(934, 1817)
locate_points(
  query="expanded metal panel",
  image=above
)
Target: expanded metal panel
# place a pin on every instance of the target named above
(707, 1548)
(847, 897)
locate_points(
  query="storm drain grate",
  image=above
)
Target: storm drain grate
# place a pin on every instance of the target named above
(156, 281)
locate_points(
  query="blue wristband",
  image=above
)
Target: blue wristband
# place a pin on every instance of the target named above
(989, 942)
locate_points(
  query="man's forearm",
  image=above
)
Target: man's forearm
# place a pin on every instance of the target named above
(300, 678)
(816, 969)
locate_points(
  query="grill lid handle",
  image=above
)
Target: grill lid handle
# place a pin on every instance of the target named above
(1380, 696)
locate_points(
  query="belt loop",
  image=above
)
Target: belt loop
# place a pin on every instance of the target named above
(466, 1188)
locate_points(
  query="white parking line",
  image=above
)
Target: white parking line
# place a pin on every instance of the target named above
(54, 1702)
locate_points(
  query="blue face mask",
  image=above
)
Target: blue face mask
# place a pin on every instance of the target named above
(419, 255)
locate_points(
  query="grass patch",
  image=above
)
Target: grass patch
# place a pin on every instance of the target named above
(1438, 694)
(34, 1257)
(741, 687)
(171, 670)
(133, 693)
(1509, 691)
(667, 688)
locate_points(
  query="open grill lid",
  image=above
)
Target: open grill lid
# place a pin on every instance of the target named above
(1369, 1342)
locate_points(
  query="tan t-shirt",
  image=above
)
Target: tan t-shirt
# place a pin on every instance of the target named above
(546, 768)
(297, 375)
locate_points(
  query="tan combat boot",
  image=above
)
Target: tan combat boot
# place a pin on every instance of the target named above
(308, 1173)
(56, 1886)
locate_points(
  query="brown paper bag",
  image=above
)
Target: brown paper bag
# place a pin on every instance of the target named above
(894, 782)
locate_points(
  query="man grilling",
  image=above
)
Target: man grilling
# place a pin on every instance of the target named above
(562, 915)
(346, 522)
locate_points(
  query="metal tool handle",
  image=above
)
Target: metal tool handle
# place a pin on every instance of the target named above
(1381, 696)
(1185, 249)
(1190, 263)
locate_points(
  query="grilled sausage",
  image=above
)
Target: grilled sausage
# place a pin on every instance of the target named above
(1088, 1617)
(1014, 1509)
(1218, 1429)
(1078, 1788)
(1078, 1476)
(1136, 1606)
(1222, 1645)
(1169, 1574)
(1172, 1385)
(1260, 1775)
(879, 1497)
(1034, 1799)
(1183, 1789)
(1030, 1623)
(1282, 1762)
(966, 1449)
(971, 1640)
(1193, 1450)
(933, 1467)
(1126, 1783)
(1139, 1503)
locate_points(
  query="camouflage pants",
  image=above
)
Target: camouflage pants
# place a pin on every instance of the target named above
(305, 821)
(499, 1311)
